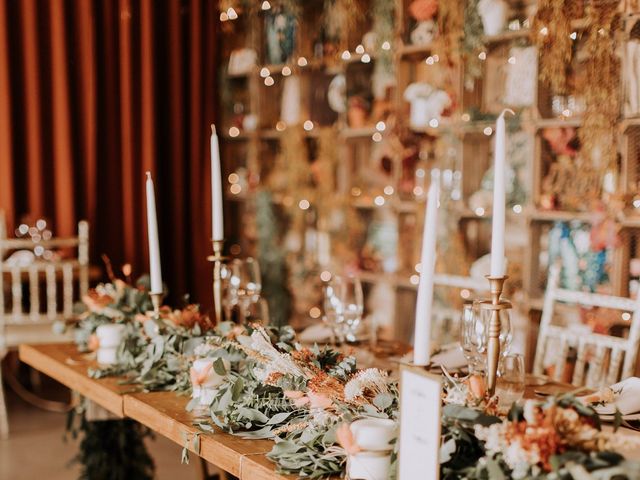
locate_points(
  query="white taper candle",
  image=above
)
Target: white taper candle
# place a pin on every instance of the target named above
(217, 218)
(499, 198)
(422, 333)
(154, 246)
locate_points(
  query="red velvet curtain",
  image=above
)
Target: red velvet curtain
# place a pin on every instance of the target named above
(93, 93)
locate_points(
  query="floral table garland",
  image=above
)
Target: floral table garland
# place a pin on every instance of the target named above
(304, 398)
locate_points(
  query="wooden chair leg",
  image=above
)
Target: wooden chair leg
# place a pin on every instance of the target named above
(35, 379)
(4, 417)
(203, 471)
(205, 475)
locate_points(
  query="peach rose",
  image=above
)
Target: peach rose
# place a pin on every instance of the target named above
(96, 302)
(476, 385)
(198, 378)
(346, 440)
(93, 344)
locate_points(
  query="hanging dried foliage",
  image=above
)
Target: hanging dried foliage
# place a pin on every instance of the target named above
(551, 32)
(451, 18)
(472, 43)
(340, 16)
(601, 85)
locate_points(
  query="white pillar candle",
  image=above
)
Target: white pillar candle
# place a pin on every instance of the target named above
(154, 246)
(110, 334)
(368, 466)
(374, 434)
(217, 219)
(109, 338)
(422, 333)
(499, 198)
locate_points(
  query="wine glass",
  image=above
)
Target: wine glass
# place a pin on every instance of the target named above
(343, 306)
(229, 294)
(510, 381)
(472, 336)
(258, 312)
(245, 284)
(505, 330)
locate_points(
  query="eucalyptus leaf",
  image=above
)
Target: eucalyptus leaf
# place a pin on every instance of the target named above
(218, 367)
(383, 400)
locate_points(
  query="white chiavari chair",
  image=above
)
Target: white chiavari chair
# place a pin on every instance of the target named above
(34, 295)
(601, 359)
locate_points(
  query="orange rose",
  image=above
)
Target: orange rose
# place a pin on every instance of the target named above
(93, 344)
(96, 302)
(476, 385)
(346, 440)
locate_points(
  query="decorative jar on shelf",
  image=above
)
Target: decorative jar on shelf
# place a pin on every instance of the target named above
(493, 14)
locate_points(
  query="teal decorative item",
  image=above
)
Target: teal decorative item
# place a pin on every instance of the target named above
(272, 261)
(583, 268)
(281, 28)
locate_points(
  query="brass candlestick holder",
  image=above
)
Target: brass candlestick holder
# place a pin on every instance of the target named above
(495, 305)
(156, 299)
(217, 259)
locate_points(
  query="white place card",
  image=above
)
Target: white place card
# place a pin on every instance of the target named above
(420, 399)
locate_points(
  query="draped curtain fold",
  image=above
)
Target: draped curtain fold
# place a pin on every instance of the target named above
(93, 93)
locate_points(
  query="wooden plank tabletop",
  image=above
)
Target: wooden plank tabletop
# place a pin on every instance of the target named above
(165, 414)
(162, 412)
(64, 363)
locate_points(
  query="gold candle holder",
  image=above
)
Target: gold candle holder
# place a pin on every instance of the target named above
(156, 299)
(495, 305)
(217, 259)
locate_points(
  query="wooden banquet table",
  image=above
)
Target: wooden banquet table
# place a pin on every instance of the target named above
(165, 414)
(162, 412)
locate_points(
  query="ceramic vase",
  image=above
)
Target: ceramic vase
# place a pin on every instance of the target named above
(493, 14)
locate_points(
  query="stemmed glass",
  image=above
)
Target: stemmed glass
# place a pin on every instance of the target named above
(245, 284)
(471, 337)
(510, 381)
(505, 330)
(343, 306)
(474, 334)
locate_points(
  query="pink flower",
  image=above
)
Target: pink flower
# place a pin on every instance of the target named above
(199, 377)
(293, 394)
(302, 401)
(346, 440)
(319, 400)
(94, 343)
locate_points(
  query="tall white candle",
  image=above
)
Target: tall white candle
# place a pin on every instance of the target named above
(217, 219)
(422, 335)
(499, 198)
(154, 246)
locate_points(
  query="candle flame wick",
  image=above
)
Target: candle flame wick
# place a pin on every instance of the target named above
(213, 129)
(148, 175)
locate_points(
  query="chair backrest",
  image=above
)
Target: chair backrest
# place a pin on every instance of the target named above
(601, 359)
(20, 285)
(449, 318)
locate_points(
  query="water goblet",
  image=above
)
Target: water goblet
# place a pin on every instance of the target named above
(245, 284)
(510, 383)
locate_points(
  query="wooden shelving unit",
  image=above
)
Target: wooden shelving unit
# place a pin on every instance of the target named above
(467, 135)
